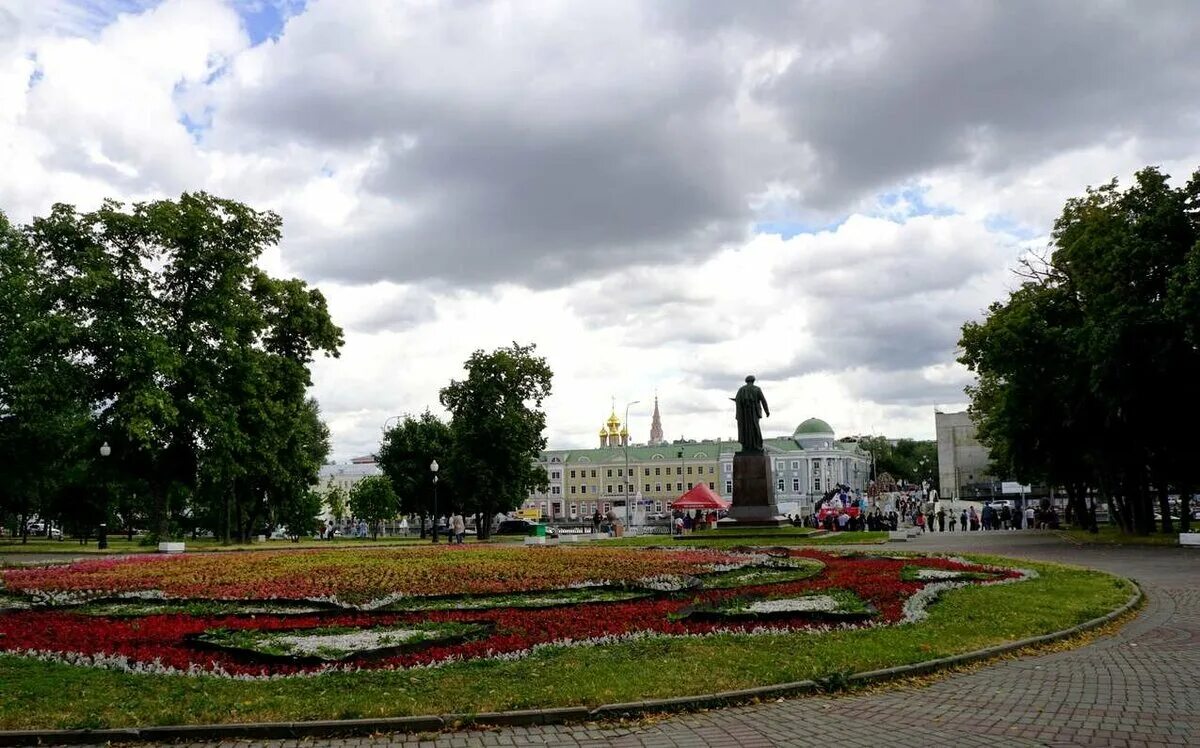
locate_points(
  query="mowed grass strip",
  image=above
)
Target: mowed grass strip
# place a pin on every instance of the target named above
(741, 538)
(48, 695)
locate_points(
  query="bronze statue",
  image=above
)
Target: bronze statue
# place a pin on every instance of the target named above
(750, 406)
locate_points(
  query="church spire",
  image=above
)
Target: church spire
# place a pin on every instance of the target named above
(656, 432)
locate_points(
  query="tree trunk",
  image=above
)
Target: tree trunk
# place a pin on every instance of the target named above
(1076, 504)
(1185, 508)
(422, 515)
(1164, 506)
(483, 529)
(1144, 510)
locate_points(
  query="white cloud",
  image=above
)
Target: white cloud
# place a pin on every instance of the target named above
(587, 177)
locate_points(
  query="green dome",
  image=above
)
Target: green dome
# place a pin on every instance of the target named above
(813, 426)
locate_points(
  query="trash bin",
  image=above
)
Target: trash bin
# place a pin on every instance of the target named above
(537, 531)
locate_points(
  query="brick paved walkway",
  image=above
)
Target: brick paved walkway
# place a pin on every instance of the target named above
(1139, 687)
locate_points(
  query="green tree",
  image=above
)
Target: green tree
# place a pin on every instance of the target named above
(1080, 366)
(909, 460)
(44, 412)
(405, 454)
(166, 340)
(299, 514)
(374, 499)
(335, 499)
(497, 423)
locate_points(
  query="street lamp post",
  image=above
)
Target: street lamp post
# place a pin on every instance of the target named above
(102, 541)
(433, 468)
(628, 477)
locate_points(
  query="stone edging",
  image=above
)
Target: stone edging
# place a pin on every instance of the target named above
(437, 723)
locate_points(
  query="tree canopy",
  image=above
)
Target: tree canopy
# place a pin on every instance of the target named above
(405, 455)
(151, 328)
(373, 499)
(498, 426)
(1086, 373)
(910, 460)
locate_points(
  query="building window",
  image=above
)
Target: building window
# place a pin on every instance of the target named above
(679, 470)
(572, 489)
(678, 486)
(711, 487)
(610, 472)
(609, 487)
(593, 473)
(729, 467)
(647, 488)
(620, 472)
(779, 485)
(795, 485)
(658, 506)
(658, 471)
(689, 469)
(728, 486)
(572, 473)
(779, 465)
(556, 490)
(583, 489)
(556, 475)
(657, 488)
(647, 471)
(795, 464)
(607, 506)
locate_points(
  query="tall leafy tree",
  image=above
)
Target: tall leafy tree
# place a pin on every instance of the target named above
(405, 454)
(181, 353)
(43, 387)
(498, 427)
(374, 499)
(1080, 367)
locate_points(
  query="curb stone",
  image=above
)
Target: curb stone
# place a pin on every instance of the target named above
(531, 717)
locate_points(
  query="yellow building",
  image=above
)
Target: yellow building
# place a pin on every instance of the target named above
(582, 481)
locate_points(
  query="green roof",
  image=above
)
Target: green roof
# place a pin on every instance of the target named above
(813, 426)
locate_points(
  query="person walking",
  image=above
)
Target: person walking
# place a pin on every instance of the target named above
(458, 526)
(941, 516)
(1029, 515)
(963, 520)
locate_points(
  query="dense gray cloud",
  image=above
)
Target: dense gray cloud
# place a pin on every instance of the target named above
(538, 143)
(998, 84)
(398, 312)
(604, 179)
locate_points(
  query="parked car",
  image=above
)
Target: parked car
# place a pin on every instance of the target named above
(520, 527)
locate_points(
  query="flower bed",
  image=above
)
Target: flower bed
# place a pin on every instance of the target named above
(417, 608)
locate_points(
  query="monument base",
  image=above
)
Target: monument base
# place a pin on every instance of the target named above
(753, 494)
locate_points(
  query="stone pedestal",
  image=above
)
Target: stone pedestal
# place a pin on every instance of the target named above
(753, 493)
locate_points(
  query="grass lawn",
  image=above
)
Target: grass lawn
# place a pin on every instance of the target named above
(50, 695)
(119, 545)
(781, 536)
(1111, 535)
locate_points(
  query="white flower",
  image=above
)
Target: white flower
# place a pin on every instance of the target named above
(793, 605)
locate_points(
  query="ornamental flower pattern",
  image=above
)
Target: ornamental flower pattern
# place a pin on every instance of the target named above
(173, 642)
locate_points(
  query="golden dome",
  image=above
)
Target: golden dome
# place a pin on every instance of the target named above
(624, 432)
(613, 421)
(603, 431)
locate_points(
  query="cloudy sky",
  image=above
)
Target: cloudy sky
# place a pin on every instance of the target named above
(661, 195)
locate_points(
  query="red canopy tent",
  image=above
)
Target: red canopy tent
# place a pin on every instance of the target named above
(700, 496)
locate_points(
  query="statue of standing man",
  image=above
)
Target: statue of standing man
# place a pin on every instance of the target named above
(750, 405)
